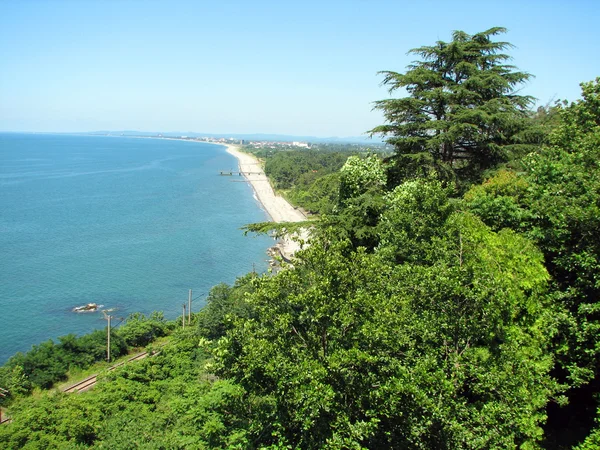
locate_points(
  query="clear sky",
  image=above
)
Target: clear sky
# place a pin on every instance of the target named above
(288, 67)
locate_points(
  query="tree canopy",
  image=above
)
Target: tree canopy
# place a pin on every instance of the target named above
(353, 350)
(462, 114)
(555, 201)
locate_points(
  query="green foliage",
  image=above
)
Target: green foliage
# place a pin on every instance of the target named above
(321, 196)
(592, 441)
(356, 221)
(359, 175)
(413, 213)
(500, 201)
(360, 203)
(165, 401)
(47, 363)
(542, 123)
(14, 381)
(277, 230)
(224, 305)
(94, 345)
(462, 114)
(310, 177)
(556, 203)
(140, 330)
(355, 350)
(301, 168)
(352, 209)
(54, 422)
(44, 364)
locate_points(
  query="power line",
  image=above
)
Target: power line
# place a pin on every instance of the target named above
(121, 319)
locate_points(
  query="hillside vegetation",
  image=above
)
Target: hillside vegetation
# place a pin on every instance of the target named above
(448, 298)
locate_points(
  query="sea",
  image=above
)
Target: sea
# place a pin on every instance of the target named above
(127, 223)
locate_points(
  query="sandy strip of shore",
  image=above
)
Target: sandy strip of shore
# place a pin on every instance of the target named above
(275, 205)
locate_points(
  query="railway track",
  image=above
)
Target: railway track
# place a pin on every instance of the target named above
(82, 386)
(89, 382)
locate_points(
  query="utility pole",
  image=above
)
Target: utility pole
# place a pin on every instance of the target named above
(107, 317)
(183, 317)
(190, 308)
(108, 340)
(3, 393)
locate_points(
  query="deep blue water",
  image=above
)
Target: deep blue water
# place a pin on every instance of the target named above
(129, 223)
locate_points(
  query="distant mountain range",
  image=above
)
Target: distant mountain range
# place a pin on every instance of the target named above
(249, 137)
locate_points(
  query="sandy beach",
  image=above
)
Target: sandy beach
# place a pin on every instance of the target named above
(275, 205)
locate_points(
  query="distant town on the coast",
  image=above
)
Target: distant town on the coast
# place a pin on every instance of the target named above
(256, 140)
(280, 144)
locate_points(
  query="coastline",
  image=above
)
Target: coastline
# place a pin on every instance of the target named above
(276, 206)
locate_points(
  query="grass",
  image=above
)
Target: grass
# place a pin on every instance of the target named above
(77, 374)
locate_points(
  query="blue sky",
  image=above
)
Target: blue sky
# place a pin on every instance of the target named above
(303, 67)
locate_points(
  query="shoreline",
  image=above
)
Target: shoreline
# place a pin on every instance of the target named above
(278, 208)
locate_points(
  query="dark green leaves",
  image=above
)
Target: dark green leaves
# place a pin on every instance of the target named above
(462, 107)
(435, 340)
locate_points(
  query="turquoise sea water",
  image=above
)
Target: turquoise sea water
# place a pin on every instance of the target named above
(129, 223)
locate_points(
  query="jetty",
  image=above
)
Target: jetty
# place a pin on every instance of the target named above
(229, 173)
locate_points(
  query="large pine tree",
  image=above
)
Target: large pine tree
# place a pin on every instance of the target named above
(462, 113)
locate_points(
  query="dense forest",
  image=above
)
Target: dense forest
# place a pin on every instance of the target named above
(309, 179)
(448, 298)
